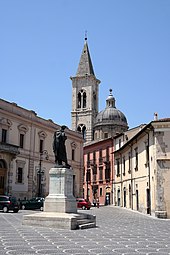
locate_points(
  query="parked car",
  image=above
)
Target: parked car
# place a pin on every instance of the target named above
(33, 203)
(8, 203)
(83, 203)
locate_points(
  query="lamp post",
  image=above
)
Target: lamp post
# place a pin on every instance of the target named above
(87, 180)
(42, 153)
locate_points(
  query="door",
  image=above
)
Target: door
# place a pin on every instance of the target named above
(124, 197)
(148, 200)
(137, 200)
(118, 197)
(2, 180)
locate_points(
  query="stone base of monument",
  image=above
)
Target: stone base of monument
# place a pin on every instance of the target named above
(60, 207)
(60, 220)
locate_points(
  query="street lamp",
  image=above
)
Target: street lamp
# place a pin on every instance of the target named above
(87, 180)
(42, 153)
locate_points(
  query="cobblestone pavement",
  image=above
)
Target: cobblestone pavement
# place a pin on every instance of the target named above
(119, 231)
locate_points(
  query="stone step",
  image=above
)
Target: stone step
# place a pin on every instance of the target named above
(87, 225)
(84, 221)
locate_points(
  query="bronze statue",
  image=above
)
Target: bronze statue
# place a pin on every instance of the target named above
(59, 147)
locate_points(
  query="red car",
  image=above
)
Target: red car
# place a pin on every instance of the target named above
(83, 203)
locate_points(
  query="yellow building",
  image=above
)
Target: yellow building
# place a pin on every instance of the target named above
(26, 152)
(142, 168)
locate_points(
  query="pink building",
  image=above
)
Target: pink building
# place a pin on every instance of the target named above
(99, 171)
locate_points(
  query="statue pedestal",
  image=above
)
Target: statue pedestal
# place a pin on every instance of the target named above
(60, 207)
(60, 198)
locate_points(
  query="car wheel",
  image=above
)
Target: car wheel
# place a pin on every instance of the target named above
(23, 207)
(83, 207)
(5, 209)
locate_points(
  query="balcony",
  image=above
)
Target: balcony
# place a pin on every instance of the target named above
(9, 148)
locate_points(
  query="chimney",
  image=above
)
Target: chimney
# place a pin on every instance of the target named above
(155, 116)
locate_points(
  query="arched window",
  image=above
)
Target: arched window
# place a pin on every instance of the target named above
(94, 101)
(79, 129)
(2, 164)
(84, 99)
(82, 128)
(84, 132)
(79, 100)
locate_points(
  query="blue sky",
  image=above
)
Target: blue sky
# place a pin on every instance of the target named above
(129, 42)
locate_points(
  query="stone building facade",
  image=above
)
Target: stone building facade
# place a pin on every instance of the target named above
(142, 169)
(26, 152)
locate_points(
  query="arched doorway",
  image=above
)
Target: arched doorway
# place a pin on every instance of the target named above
(3, 173)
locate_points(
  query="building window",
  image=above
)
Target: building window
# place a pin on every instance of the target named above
(84, 99)
(136, 158)
(41, 145)
(147, 153)
(4, 135)
(73, 154)
(101, 192)
(107, 174)
(118, 167)
(95, 169)
(100, 157)
(88, 175)
(119, 143)
(100, 173)
(94, 158)
(129, 160)
(21, 141)
(88, 160)
(19, 175)
(124, 166)
(105, 135)
(81, 97)
(79, 100)
(94, 177)
(107, 154)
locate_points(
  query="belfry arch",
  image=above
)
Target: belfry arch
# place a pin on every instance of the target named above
(82, 129)
(81, 99)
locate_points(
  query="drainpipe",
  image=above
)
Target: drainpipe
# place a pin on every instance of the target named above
(113, 170)
(149, 173)
(131, 176)
(121, 180)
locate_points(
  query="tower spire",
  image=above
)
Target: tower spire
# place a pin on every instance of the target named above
(85, 65)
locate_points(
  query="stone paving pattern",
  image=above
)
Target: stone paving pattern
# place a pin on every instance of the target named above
(119, 231)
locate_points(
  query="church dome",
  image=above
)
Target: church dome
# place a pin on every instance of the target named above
(110, 120)
(111, 115)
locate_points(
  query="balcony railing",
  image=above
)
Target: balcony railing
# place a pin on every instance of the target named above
(9, 148)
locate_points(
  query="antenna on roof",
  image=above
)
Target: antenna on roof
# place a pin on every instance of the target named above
(86, 35)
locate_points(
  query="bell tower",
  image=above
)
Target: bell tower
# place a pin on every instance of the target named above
(84, 96)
